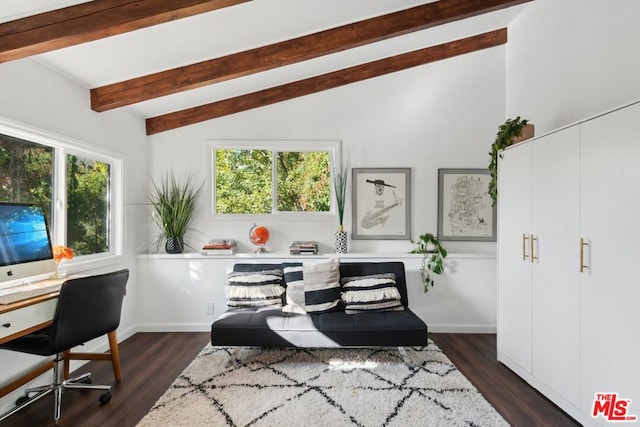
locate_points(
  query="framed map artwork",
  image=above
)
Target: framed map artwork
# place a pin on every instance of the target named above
(465, 210)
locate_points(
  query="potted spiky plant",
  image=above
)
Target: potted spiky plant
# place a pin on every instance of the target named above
(174, 203)
(340, 178)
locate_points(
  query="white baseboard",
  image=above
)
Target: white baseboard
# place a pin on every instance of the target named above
(174, 327)
(206, 327)
(463, 329)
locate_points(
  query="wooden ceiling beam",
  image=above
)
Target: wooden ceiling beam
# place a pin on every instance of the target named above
(323, 82)
(289, 52)
(91, 21)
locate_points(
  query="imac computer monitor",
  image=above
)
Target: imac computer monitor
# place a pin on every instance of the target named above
(25, 242)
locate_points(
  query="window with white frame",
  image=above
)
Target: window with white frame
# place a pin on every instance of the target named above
(273, 177)
(72, 183)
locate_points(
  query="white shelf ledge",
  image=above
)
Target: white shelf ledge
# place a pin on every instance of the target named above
(280, 255)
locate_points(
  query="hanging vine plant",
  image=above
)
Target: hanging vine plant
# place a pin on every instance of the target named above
(507, 132)
(433, 259)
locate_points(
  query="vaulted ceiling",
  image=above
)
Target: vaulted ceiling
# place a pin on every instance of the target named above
(180, 62)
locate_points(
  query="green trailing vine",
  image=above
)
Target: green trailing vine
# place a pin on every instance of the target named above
(433, 259)
(512, 128)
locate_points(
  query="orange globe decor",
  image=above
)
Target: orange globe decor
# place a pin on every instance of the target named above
(259, 236)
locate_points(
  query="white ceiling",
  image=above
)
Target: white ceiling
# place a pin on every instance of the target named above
(233, 29)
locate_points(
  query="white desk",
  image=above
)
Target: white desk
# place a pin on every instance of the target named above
(23, 317)
(34, 310)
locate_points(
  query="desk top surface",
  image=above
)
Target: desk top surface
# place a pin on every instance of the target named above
(49, 287)
(27, 302)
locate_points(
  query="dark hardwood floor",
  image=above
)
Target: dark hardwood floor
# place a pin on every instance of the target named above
(151, 361)
(519, 404)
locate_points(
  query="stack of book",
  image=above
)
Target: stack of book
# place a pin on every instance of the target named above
(220, 247)
(299, 247)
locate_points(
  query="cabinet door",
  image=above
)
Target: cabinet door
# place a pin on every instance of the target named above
(610, 287)
(514, 266)
(555, 270)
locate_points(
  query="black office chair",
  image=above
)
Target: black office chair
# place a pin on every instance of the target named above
(88, 307)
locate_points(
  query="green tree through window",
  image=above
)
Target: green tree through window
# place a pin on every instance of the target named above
(27, 171)
(245, 182)
(87, 205)
(303, 182)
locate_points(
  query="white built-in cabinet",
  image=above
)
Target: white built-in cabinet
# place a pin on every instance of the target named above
(569, 262)
(610, 287)
(514, 265)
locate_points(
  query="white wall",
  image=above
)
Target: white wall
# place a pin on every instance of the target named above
(178, 288)
(571, 59)
(434, 116)
(44, 101)
(441, 115)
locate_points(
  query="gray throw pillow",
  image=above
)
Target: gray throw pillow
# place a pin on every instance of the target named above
(322, 286)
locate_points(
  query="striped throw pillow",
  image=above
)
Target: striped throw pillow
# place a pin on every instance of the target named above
(254, 289)
(376, 292)
(295, 287)
(322, 286)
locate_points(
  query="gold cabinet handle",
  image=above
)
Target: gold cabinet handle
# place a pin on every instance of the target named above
(582, 245)
(532, 240)
(524, 247)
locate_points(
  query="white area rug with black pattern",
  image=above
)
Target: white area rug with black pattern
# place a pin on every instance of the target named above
(322, 387)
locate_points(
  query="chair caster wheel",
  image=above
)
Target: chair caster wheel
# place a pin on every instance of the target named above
(21, 400)
(105, 398)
